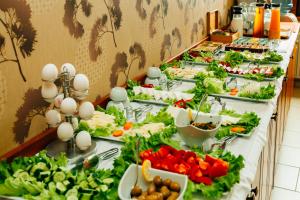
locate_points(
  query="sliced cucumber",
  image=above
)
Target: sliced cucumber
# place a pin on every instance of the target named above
(108, 181)
(86, 196)
(40, 167)
(72, 198)
(60, 187)
(59, 176)
(103, 188)
(72, 192)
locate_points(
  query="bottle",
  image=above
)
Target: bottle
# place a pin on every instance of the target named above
(237, 21)
(267, 18)
(258, 29)
(275, 22)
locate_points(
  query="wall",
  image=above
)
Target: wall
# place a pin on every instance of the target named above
(108, 40)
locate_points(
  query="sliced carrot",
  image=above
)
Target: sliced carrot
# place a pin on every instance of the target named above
(234, 90)
(117, 133)
(233, 93)
(237, 129)
(128, 125)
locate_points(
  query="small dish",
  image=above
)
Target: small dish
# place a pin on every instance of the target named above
(153, 72)
(128, 180)
(118, 94)
(192, 135)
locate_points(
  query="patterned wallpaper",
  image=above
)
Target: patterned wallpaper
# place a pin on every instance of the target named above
(108, 40)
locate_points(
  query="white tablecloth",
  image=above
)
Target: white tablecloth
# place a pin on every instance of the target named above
(250, 148)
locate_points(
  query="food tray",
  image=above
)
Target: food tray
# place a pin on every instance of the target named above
(240, 98)
(229, 74)
(160, 103)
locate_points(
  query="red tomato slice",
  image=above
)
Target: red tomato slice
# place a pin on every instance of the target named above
(211, 160)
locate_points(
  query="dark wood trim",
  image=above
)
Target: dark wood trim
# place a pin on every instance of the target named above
(40, 141)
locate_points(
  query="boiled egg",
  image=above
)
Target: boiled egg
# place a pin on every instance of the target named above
(49, 90)
(68, 67)
(65, 131)
(68, 106)
(58, 99)
(49, 72)
(81, 82)
(83, 140)
(86, 110)
(53, 117)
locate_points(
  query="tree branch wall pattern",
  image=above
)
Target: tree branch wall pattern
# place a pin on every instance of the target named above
(168, 43)
(160, 11)
(33, 105)
(19, 30)
(139, 6)
(124, 62)
(195, 30)
(107, 24)
(72, 7)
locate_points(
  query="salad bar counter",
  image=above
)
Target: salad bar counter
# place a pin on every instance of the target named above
(204, 125)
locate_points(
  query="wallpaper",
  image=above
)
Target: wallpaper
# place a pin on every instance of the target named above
(110, 41)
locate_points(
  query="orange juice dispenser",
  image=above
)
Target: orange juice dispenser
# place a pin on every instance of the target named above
(275, 22)
(258, 29)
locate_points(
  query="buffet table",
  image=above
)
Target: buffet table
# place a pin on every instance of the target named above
(257, 148)
(249, 147)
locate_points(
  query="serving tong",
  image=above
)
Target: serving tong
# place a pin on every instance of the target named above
(221, 144)
(138, 112)
(94, 160)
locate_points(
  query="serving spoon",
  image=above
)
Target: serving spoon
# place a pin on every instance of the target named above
(199, 107)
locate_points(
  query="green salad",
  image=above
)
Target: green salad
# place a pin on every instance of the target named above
(237, 123)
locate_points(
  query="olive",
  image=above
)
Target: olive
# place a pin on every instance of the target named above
(151, 189)
(158, 181)
(174, 186)
(165, 191)
(167, 182)
(173, 196)
(136, 191)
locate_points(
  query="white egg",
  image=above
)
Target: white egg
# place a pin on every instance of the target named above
(86, 110)
(81, 82)
(69, 68)
(75, 123)
(49, 72)
(80, 95)
(49, 90)
(58, 99)
(65, 131)
(68, 106)
(53, 117)
(83, 140)
(118, 94)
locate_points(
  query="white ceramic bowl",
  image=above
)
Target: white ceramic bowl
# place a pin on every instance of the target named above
(153, 72)
(118, 94)
(129, 177)
(192, 135)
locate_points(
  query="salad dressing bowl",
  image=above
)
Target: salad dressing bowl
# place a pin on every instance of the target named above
(192, 135)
